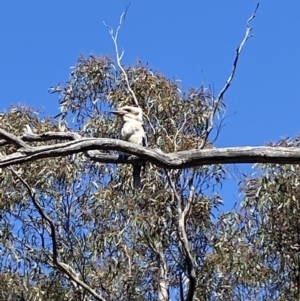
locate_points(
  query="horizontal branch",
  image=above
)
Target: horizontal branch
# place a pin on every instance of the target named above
(182, 159)
(31, 137)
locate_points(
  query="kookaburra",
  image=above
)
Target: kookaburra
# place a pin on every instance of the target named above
(132, 131)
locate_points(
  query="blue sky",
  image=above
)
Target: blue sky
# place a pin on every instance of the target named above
(40, 40)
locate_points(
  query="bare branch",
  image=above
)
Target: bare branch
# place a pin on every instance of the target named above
(118, 55)
(237, 55)
(182, 159)
(218, 100)
(119, 58)
(11, 138)
(31, 137)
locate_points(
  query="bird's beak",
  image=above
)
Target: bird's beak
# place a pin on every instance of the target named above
(119, 113)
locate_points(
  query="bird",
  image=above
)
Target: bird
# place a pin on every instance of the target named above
(132, 130)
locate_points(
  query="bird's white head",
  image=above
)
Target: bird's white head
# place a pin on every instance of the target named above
(129, 113)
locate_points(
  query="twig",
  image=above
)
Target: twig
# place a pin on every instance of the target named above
(237, 55)
(218, 100)
(119, 58)
(118, 55)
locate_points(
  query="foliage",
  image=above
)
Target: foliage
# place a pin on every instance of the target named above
(72, 215)
(114, 239)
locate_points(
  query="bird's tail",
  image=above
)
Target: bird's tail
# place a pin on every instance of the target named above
(137, 177)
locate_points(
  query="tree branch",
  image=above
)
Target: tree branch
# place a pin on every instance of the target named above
(191, 274)
(12, 139)
(181, 159)
(163, 285)
(217, 101)
(119, 56)
(66, 269)
(31, 137)
(237, 55)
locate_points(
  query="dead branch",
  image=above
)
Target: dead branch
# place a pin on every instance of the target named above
(31, 137)
(218, 100)
(181, 159)
(11, 138)
(237, 55)
(114, 37)
(119, 56)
